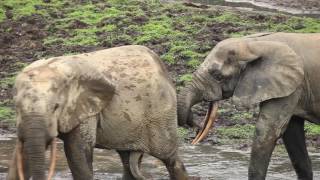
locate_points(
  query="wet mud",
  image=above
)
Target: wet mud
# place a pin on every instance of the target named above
(309, 8)
(202, 162)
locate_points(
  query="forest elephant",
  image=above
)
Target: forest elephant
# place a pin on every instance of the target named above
(119, 98)
(278, 71)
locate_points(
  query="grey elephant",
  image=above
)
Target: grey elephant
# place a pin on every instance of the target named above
(119, 98)
(278, 71)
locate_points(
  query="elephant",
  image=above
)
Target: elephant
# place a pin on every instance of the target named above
(277, 71)
(119, 98)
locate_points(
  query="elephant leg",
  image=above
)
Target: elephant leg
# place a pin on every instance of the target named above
(78, 146)
(13, 170)
(295, 143)
(175, 167)
(131, 162)
(273, 119)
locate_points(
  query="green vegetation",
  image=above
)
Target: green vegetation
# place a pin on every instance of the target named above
(236, 132)
(242, 116)
(20, 8)
(6, 113)
(2, 15)
(182, 132)
(312, 129)
(7, 82)
(185, 78)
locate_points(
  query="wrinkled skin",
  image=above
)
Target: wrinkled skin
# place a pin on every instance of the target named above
(119, 98)
(279, 71)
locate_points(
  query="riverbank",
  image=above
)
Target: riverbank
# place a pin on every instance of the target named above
(181, 35)
(306, 5)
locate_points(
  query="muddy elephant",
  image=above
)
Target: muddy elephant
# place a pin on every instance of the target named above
(119, 98)
(278, 71)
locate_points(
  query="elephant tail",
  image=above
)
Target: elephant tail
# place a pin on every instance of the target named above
(134, 163)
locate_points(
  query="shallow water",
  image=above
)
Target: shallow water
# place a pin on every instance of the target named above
(253, 5)
(204, 161)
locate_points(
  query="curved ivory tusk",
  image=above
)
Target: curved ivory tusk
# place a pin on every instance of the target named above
(53, 158)
(205, 122)
(210, 118)
(19, 160)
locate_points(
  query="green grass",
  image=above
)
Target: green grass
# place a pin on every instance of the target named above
(2, 14)
(185, 78)
(228, 17)
(312, 129)
(236, 132)
(6, 113)
(156, 30)
(20, 7)
(83, 37)
(7, 82)
(241, 116)
(182, 132)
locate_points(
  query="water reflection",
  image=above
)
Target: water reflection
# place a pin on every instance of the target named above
(205, 161)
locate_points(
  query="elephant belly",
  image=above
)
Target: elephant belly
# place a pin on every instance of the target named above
(122, 124)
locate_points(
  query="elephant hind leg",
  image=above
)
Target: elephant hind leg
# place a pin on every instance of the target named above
(131, 161)
(175, 167)
(294, 140)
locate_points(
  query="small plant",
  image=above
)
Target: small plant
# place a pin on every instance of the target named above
(7, 82)
(242, 116)
(185, 78)
(182, 132)
(6, 113)
(312, 129)
(236, 132)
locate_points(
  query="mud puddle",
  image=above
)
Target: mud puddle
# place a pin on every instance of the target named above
(290, 7)
(202, 162)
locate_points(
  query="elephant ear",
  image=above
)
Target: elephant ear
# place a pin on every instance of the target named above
(273, 71)
(87, 92)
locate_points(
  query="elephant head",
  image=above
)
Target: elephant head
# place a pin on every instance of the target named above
(54, 96)
(246, 69)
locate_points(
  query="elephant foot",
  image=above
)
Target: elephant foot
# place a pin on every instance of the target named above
(176, 169)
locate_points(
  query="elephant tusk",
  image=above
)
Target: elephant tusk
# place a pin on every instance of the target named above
(53, 158)
(205, 122)
(209, 121)
(19, 160)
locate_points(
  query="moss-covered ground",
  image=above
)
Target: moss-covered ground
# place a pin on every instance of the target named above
(181, 35)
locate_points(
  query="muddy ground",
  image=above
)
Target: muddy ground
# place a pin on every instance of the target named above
(22, 42)
(298, 4)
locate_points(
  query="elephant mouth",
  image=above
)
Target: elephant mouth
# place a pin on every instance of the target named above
(209, 120)
(19, 158)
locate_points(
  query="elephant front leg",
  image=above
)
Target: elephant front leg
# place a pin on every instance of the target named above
(295, 142)
(273, 120)
(78, 146)
(13, 169)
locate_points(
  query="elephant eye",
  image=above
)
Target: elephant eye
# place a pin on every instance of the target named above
(56, 106)
(217, 76)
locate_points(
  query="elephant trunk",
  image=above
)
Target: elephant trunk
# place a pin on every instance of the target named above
(187, 97)
(33, 134)
(197, 90)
